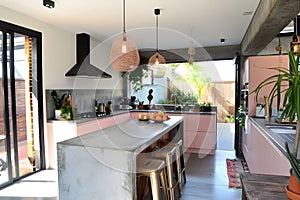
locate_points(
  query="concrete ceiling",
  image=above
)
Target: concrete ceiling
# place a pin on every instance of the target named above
(206, 22)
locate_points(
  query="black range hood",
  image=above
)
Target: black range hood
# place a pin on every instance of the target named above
(83, 67)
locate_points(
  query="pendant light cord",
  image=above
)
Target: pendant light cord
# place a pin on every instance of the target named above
(124, 16)
(156, 33)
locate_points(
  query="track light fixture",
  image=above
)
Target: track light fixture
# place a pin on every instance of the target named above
(48, 3)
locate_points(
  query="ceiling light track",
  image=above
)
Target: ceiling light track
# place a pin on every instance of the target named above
(49, 4)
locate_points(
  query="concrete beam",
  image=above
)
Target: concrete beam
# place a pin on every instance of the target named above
(201, 54)
(270, 17)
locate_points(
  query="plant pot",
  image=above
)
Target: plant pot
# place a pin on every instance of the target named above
(58, 114)
(294, 185)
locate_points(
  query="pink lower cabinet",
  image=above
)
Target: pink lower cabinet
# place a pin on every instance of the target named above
(262, 156)
(200, 133)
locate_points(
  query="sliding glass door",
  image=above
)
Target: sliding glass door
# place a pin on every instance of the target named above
(21, 124)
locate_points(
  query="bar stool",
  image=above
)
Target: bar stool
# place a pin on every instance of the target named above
(179, 150)
(180, 162)
(168, 154)
(155, 170)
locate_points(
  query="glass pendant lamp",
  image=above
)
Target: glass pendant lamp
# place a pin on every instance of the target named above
(124, 55)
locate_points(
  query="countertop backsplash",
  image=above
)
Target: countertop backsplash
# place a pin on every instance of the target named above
(84, 100)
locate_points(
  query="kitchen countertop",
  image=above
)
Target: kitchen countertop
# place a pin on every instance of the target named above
(276, 140)
(133, 136)
(177, 112)
(119, 112)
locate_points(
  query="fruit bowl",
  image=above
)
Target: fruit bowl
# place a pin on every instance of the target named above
(159, 116)
(159, 121)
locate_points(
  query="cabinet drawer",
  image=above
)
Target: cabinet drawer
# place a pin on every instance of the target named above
(204, 140)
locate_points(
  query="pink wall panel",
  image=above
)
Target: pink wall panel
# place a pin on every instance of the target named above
(259, 71)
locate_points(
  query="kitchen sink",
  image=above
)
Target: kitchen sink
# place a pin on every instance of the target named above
(285, 132)
(282, 129)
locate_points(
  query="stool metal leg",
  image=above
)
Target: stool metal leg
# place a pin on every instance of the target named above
(178, 163)
(170, 177)
(163, 180)
(154, 178)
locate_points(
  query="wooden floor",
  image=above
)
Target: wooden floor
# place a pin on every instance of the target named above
(206, 177)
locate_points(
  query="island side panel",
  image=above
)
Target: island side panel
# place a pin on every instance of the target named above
(95, 173)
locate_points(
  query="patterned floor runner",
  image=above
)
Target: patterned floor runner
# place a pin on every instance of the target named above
(234, 167)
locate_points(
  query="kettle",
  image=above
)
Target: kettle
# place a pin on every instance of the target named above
(260, 110)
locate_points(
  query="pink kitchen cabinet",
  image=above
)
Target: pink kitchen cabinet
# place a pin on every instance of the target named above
(200, 132)
(261, 155)
(259, 71)
(58, 131)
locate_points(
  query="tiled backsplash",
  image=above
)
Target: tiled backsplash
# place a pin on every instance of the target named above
(84, 100)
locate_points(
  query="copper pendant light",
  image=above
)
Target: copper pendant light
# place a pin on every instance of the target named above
(124, 55)
(295, 44)
(156, 58)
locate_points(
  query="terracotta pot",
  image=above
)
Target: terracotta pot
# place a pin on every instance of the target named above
(294, 185)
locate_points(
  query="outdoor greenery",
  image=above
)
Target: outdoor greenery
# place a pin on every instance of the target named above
(242, 113)
(184, 98)
(197, 79)
(229, 119)
(136, 77)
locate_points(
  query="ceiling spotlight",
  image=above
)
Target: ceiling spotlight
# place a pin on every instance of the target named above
(48, 3)
(222, 40)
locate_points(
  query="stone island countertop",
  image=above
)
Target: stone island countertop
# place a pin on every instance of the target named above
(102, 164)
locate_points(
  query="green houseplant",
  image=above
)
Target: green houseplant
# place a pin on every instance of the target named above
(291, 99)
(63, 105)
(291, 109)
(58, 102)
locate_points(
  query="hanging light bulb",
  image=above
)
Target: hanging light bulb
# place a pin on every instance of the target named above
(156, 58)
(124, 55)
(295, 44)
(124, 43)
(279, 47)
(157, 61)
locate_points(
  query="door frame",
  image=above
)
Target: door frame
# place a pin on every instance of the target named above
(10, 28)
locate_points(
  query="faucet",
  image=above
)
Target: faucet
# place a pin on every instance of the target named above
(173, 95)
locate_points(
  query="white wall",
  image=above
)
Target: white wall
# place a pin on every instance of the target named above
(59, 55)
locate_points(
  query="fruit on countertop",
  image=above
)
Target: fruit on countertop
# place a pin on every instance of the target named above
(159, 116)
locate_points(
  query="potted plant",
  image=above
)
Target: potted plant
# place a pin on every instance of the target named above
(294, 182)
(291, 103)
(242, 114)
(58, 102)
(205, 107)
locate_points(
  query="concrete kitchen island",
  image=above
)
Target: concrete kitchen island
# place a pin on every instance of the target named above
(102, 164)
